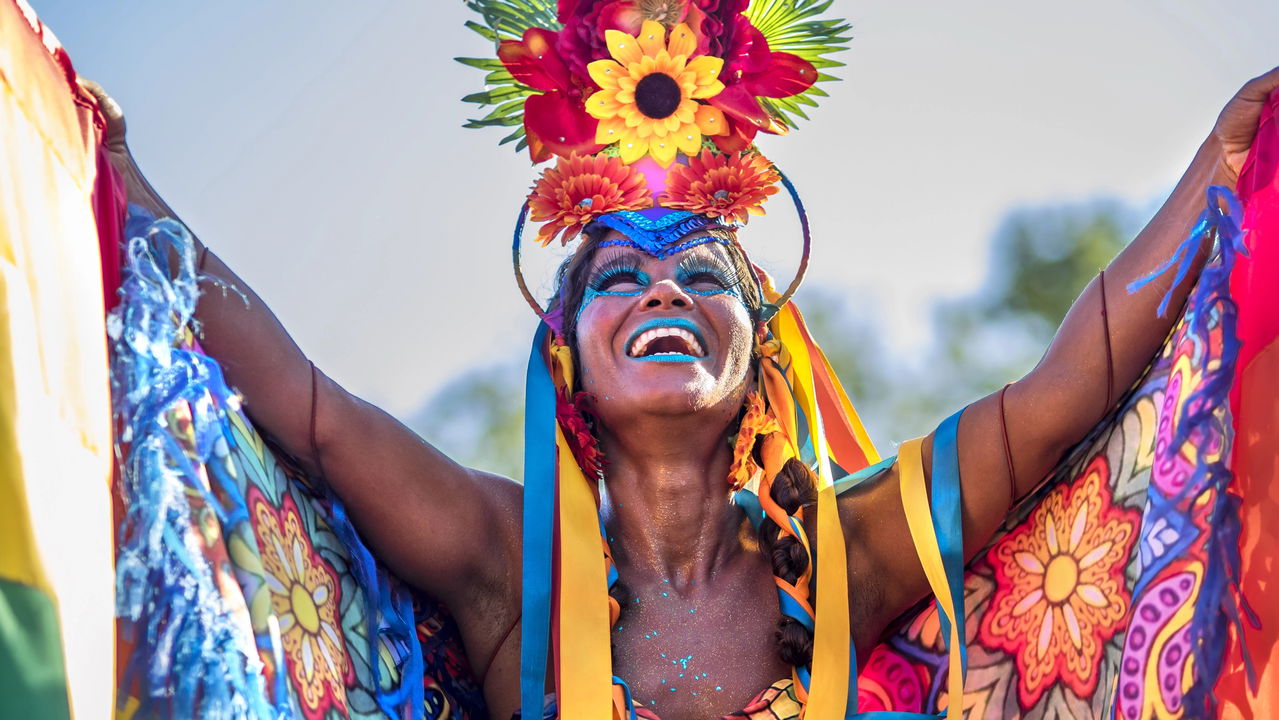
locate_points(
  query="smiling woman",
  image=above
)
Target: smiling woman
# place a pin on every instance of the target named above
(704, 529)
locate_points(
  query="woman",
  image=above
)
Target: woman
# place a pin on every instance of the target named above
(665, 337)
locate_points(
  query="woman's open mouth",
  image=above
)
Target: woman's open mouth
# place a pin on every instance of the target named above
(666, 340)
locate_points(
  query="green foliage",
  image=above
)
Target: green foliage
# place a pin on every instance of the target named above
(508, 19)
(1041, 260)
(479, 420)
(504, 20)
(794, 26)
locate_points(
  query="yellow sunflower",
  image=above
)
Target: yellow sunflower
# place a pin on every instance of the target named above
(648, 101)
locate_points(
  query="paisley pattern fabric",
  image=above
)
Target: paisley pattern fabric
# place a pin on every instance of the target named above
(1080, 606)
(298, 573)
(290, 582)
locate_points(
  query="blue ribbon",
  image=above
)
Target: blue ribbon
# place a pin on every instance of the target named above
(948, 521)
(539, 518)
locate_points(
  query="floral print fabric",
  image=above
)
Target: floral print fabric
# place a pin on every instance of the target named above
(1080, 607)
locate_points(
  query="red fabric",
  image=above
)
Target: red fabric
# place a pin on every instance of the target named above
(109, 207)
(1254, 404)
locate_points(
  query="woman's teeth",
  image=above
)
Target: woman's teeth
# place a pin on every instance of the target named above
(688, 341)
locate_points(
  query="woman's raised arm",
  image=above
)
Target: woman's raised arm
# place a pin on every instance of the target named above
(1092, 360)
(450, 530)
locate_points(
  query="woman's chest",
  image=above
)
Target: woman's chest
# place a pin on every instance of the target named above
(698, 655)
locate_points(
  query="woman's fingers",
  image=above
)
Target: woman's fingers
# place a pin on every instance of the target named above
(1259, 88)
(1237, 124)
(112, 111)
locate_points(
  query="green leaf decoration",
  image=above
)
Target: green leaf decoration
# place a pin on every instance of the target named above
(504, 20)
(793, 26)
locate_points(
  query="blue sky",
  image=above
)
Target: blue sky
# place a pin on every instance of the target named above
(317, 146)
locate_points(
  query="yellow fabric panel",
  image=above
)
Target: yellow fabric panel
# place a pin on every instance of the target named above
(55, 427)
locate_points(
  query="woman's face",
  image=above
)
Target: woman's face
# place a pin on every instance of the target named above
(665, 336)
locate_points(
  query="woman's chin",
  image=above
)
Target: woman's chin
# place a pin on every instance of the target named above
(695, 394)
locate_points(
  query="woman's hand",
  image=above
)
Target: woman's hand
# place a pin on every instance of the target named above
(135, 183)
(116, 127)
(1237, 125)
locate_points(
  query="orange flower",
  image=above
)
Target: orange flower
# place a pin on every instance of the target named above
(579, 189)
(729, 186)
(1060, 592)
(757, 421)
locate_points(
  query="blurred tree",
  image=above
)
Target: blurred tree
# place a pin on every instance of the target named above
(1041, 258)
(478, 420)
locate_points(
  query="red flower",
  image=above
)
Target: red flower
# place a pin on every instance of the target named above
(575, 419)
(579, 189)
(582, 41)
(718, 23)
(752, 70)
(555, 121)
(728, 186)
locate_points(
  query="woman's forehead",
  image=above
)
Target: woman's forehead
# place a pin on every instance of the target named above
(710, 247)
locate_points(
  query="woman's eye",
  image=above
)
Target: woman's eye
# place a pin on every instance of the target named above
(706, 279)
(623, 280)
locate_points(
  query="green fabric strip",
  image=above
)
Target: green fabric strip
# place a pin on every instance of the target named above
(33, 681)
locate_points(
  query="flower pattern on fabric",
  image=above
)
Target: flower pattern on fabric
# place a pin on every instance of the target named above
(1061, 593)
(778, 702)
(891, 682)
(305, 598)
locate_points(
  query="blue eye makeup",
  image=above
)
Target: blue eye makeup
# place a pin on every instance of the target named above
(619, 275)
(618, 280)
(704, 276)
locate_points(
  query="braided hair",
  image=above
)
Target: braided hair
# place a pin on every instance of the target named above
(793, 489)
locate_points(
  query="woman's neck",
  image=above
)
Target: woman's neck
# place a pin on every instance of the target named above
(666, 507)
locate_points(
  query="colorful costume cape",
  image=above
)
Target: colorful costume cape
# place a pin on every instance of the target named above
(243, 590)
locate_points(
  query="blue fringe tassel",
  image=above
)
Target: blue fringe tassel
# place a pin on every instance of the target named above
(189, 656)
(393, 604)
(1219, 604)
(188, 649)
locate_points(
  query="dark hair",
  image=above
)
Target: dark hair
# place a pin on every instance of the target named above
(792, 489)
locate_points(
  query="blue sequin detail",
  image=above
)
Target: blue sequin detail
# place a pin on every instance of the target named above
(660, 236)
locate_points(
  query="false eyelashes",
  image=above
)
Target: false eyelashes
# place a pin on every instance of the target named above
(698, 269)
(621, 272)
(694, 270)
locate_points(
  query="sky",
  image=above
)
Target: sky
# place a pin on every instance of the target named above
(317, 147)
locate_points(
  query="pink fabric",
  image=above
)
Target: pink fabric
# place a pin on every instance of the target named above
(1254, 284)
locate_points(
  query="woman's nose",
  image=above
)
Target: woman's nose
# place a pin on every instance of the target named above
(667, 293)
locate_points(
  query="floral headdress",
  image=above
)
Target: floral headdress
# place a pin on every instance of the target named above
(649, 107)
(646, 113)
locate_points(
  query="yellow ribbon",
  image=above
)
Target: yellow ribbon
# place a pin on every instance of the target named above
(910, 469)
(585, 660)
(828, 686)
